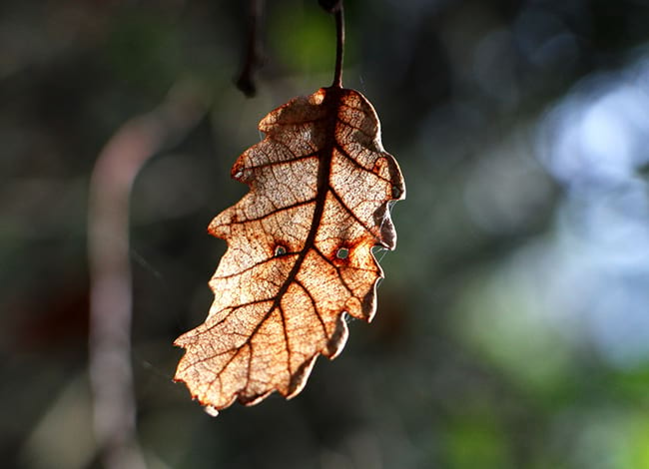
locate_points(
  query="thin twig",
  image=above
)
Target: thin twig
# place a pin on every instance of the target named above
(253, 56)
(111, 375)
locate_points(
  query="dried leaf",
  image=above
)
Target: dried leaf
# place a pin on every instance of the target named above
(299, 250)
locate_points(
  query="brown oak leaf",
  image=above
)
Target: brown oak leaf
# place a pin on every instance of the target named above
(299, 250)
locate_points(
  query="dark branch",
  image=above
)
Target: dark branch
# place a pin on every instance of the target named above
(253, 55)
(331, 6)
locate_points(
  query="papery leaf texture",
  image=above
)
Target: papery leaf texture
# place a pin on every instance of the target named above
(299, 254)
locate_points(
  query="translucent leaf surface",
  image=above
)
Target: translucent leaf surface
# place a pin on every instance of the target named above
(299, 250)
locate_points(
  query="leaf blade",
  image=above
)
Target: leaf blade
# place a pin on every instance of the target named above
(320, 182)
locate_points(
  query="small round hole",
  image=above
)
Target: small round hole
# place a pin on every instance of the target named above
(280, 250)
(396, 192)
(343, 253)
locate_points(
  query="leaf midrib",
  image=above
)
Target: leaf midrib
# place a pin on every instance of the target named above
(331, 103)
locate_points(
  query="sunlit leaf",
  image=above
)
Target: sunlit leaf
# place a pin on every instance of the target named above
(299, 250)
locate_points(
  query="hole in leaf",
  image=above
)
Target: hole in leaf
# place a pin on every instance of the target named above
(280, 250)
(342, 253)
(396, 192)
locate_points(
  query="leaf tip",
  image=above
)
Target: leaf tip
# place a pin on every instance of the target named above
(211, 410)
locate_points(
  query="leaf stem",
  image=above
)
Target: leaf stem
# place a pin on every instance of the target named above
(340, 45)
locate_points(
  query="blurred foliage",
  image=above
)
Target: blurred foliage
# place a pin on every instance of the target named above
(513, 324)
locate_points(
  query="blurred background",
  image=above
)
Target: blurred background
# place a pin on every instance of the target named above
(513, 323)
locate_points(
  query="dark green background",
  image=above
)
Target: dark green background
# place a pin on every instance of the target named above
(513, 323)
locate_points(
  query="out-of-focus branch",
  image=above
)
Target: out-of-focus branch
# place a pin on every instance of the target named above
(253, 58)
(111, 375)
